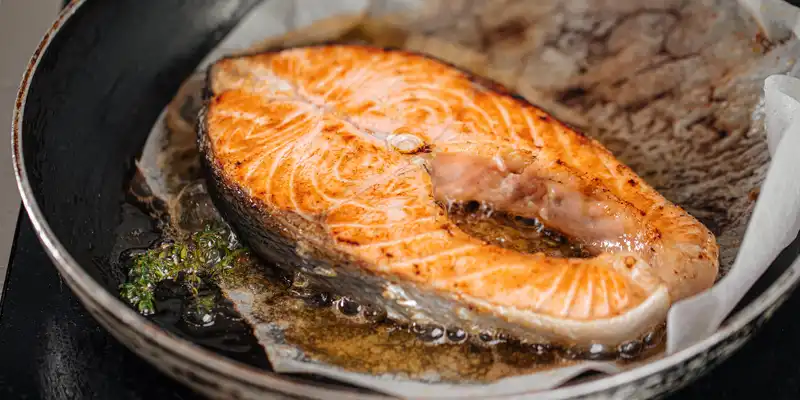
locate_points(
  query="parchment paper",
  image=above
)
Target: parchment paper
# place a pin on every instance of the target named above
(776, 219)
(678, 90)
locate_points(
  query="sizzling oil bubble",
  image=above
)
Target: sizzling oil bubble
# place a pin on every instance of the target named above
(374, 314)
(600, 352)
(456, 335)
(529, 222)
(492, 338)
(630, 350)
(198, 316)
(348, 307)
(654, 338)
(428, 333)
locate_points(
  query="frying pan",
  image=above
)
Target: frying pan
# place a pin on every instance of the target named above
(93, 89)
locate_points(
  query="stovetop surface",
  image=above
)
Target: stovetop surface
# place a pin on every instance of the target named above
(51, 348)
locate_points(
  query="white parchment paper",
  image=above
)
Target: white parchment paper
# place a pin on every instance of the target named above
(776, 218)
(774, 221)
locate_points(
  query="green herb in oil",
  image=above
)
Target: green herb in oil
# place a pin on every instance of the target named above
(206, 255)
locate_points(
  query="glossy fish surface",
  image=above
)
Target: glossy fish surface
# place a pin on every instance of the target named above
(343, 162)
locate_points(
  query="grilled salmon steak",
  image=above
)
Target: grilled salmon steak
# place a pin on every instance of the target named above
(341, 161)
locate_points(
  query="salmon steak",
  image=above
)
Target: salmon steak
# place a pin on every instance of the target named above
(348, 164)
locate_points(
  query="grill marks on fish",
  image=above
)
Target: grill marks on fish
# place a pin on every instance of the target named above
(306, 131)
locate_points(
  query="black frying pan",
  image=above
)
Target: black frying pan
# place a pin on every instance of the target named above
(93, 90)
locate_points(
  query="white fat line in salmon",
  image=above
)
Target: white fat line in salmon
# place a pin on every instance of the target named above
(434, 257)
(387, 225)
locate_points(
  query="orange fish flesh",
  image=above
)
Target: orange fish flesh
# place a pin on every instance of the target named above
(339, 161)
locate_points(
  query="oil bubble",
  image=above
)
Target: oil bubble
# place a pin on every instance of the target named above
(456, 335)
(472, 207)
(199, 312)
(599, 351)
(348, 307)
(374, 314)
(428, 333)
(653, 338)
(486, 336)
(630, 349)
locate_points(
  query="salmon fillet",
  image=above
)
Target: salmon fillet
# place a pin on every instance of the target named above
(339, 161)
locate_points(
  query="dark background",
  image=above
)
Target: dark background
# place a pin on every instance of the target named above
(51, 348)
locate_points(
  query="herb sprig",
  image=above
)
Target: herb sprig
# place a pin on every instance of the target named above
(206, 255)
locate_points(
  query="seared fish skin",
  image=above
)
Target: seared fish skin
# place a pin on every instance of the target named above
(333, 160)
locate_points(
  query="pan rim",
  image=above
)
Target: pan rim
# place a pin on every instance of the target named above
(79, 280)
